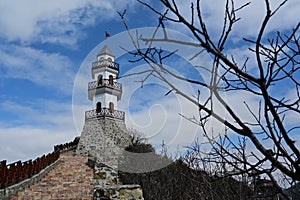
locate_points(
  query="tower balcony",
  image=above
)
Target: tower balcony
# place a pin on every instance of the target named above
(105, 83)
(104, 63)
(104, 86)
(105, 113)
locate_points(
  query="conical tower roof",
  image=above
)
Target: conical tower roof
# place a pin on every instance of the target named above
(106, 51)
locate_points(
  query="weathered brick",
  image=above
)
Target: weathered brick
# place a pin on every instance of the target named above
(70, 179)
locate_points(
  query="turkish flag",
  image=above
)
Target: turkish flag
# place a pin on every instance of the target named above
(107, 34)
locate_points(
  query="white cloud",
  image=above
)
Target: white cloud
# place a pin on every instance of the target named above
(251, 17)
(291, 117)
(47, 69)
(54, 21)
(36, 128)
(40, 112)
(158, 116)
(160, 121)
(27, 142)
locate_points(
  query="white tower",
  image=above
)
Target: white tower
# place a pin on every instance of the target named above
(104, 134)
(104, 91)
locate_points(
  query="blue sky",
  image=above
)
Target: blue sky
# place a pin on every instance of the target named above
(43, 45)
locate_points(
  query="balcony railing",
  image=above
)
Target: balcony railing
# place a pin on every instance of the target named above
(105, 63)
(105, 83)
(105, 112)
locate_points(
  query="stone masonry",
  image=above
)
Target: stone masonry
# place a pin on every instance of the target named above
(104, 139)
(108, 186)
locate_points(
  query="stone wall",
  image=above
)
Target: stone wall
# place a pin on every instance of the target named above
(104, 139)
(108, 186)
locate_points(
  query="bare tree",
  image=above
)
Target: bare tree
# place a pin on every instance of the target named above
(277, 63)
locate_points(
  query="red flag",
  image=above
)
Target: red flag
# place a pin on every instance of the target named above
(107, 34)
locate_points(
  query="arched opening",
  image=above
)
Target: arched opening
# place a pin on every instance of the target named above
(111, 107)
(111, 80)
(109, 59)
(99, 80)
(98, 107)
(100, 58)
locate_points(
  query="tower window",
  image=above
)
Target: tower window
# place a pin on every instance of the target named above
(111, 107)
(111, 80)
(98, 107)
(99, 81)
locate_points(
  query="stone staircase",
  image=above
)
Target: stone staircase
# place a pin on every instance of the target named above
(70, 179)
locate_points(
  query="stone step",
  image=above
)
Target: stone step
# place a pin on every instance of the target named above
(70, 179)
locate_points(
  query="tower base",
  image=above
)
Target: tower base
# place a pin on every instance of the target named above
(104, 139)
